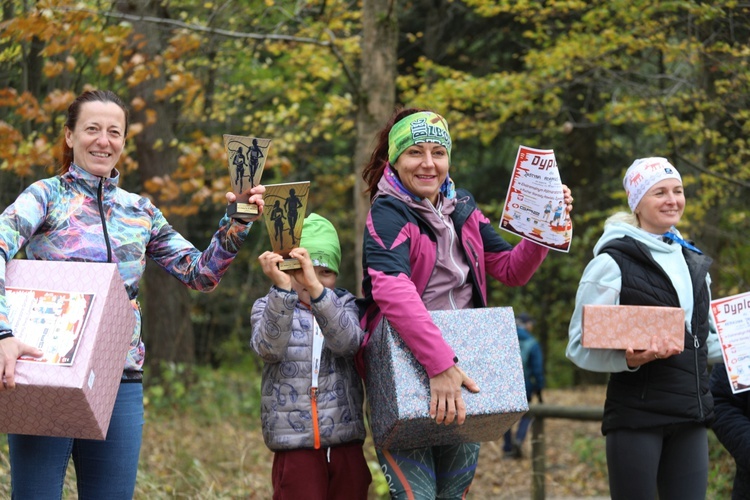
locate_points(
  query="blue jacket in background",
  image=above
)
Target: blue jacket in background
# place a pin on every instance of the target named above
(533, 362)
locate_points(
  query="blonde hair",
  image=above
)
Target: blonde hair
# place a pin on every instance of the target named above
(626, 217)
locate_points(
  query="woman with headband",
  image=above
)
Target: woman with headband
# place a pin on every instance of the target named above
(428, 247)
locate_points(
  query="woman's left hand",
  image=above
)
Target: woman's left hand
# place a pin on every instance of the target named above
(446, 402)
(256, 197)
(660, 348)
(567, 198)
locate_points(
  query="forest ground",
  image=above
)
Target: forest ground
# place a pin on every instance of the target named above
(207, 444)
(574, 458)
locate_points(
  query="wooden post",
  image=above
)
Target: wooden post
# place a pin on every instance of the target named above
(539, 412)
(538, 465)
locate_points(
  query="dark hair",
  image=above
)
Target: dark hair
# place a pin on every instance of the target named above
(373, 171)
(74, 110)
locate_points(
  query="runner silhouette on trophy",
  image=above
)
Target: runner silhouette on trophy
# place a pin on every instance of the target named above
(277, 216)
(239, 167)
(291, 205)
(254, 154)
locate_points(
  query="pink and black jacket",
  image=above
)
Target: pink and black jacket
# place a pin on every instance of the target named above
(400, 254)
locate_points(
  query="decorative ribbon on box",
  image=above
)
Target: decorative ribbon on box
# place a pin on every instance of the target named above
(398, 389)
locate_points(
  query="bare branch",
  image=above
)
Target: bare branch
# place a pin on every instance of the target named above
(239, 35)
(700, 168)
(703, 169)
(349, 74)
(204, 29)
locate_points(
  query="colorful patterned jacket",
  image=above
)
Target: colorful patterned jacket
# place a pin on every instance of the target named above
(81, 217)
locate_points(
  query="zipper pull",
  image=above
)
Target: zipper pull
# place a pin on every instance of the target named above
(696, 342)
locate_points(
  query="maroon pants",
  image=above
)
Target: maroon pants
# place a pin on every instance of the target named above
(328, 473)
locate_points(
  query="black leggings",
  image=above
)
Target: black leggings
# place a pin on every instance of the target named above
(672, 460)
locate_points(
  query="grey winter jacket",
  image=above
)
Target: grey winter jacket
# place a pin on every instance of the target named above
(282, 333)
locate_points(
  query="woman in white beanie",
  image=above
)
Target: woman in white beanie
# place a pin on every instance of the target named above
(658, 403)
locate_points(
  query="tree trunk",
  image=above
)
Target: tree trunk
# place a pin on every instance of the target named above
(377, 97)
(167, 326)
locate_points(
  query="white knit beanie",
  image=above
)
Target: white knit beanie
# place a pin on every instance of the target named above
(643, 174)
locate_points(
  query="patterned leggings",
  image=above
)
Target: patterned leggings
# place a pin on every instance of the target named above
(429, 473)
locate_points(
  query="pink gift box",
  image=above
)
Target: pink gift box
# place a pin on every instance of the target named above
(620, 327)
(73, 400)
(398, 389)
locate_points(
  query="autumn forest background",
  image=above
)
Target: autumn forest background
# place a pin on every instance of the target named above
(600, 82)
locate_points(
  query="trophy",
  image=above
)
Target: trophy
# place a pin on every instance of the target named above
(247, 157)
(285, 214)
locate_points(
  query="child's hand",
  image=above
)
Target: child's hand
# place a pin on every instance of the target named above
(306, 276)
(269, 262)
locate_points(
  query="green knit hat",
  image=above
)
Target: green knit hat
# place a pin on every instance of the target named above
(416, 128)
(321, 240)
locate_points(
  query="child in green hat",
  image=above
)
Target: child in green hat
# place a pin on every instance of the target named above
(307, 332)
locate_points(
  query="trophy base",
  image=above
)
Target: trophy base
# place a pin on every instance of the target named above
(239, 210)
(289, 265)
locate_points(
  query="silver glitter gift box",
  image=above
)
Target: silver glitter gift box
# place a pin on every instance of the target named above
(398, 389)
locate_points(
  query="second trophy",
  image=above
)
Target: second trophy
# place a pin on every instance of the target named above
(286, 205)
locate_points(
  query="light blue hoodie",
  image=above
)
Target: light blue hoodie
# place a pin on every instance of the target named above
(601, 282)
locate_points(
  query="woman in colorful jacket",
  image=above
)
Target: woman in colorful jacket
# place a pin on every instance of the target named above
(428, 247)
(658, 402)
(82, 215)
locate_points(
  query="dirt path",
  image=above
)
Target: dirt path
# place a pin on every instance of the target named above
(182, 458)
(575, 464)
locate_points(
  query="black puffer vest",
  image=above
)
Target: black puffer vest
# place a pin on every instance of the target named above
(667, 391)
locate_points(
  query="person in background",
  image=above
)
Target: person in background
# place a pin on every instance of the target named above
(658, 404)
(732, 427)
(307, 332)
(82, 215)
(533, 373)
(428, 247)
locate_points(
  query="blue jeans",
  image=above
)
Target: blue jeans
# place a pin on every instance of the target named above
(521, 431)
(104, 469)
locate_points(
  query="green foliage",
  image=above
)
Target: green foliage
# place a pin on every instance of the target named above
(591, 452)
(379, 486)
(721, 469)
(600, 82)
(4, 466)
(205, 393)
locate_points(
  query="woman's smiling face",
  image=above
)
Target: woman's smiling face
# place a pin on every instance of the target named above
(423, 168)
(98, 138)
(661, 207)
